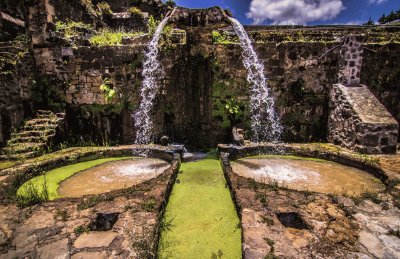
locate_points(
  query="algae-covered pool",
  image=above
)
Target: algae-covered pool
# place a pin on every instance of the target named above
(200, 218)
(94, 177)
(308, 174)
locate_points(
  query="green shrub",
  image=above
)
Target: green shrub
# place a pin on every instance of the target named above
(136, 11)
(70, 28)
(105, 8)
(152, 25)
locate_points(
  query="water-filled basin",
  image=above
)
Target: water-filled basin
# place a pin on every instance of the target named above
(112, 176)
(308, 174)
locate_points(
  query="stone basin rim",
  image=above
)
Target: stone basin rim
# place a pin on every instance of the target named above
(341, 156)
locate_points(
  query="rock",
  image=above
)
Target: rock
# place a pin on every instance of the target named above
(238, 136)
(372, 244)
(90, 255)
(3, 238)
(56, 250)
(164, 141)
(95, 239)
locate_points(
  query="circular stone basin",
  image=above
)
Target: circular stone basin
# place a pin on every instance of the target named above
(112, 176)
(308, 174)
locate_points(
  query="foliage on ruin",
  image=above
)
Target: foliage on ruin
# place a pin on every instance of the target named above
(152, 25)
(105, 8)
(136, 11)
(9, 61)
(71, 28)
(107, 90)
(108, 37)
(220, 38)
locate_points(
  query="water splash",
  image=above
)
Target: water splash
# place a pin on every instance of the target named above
(265, 124)
(152, 72)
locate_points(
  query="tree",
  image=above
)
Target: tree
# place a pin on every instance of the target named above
(170, 3)
(382, 19)
(370, 22)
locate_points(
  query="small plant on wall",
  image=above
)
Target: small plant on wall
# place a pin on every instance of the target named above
(107, 89)
(233, 109)
(105, 8)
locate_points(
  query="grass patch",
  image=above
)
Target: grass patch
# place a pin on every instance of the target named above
(6, 164)
(205, 220)
(108, 37)
(54, 177)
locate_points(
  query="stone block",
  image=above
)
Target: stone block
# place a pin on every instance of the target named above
(360, 122)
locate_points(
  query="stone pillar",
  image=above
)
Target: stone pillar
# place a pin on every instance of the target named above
(350, 61)
(41, 16)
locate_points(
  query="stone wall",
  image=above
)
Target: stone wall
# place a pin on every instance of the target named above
(360, 122)
(201, 77)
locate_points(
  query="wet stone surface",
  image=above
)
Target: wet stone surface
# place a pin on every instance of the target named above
(278, 221)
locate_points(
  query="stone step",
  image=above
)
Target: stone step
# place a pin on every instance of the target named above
(34, 139)
(47, 112)
(40, 121)
(39, 127)
(36, 133)
(19, 148)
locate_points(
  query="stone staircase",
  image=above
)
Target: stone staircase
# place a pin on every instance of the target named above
(35, 137)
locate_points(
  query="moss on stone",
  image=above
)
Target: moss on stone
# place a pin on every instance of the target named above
(6, 164)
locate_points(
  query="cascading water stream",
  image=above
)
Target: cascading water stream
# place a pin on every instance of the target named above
(265, 124)
(152, 72)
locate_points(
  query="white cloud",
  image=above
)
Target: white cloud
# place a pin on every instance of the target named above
(294, 11)
(377, 1)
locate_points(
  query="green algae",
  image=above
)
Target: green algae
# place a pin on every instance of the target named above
(53, 178)
(203, 220)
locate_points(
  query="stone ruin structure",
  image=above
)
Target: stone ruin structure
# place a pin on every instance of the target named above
(357, 119)
(202, 74)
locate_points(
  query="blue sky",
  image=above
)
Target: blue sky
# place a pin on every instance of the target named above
(310, 12)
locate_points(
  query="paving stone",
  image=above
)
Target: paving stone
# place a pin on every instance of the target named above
(372, 244)
(95, 239)
(55, 250)
(90, 255)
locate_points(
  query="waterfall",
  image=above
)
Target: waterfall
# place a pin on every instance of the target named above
(265, 124)
(152, 72)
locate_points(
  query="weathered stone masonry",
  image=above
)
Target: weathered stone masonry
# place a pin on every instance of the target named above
(200, 77)
(357, 119)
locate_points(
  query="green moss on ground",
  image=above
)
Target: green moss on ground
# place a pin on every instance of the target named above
(53, 178)
(201, 221)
